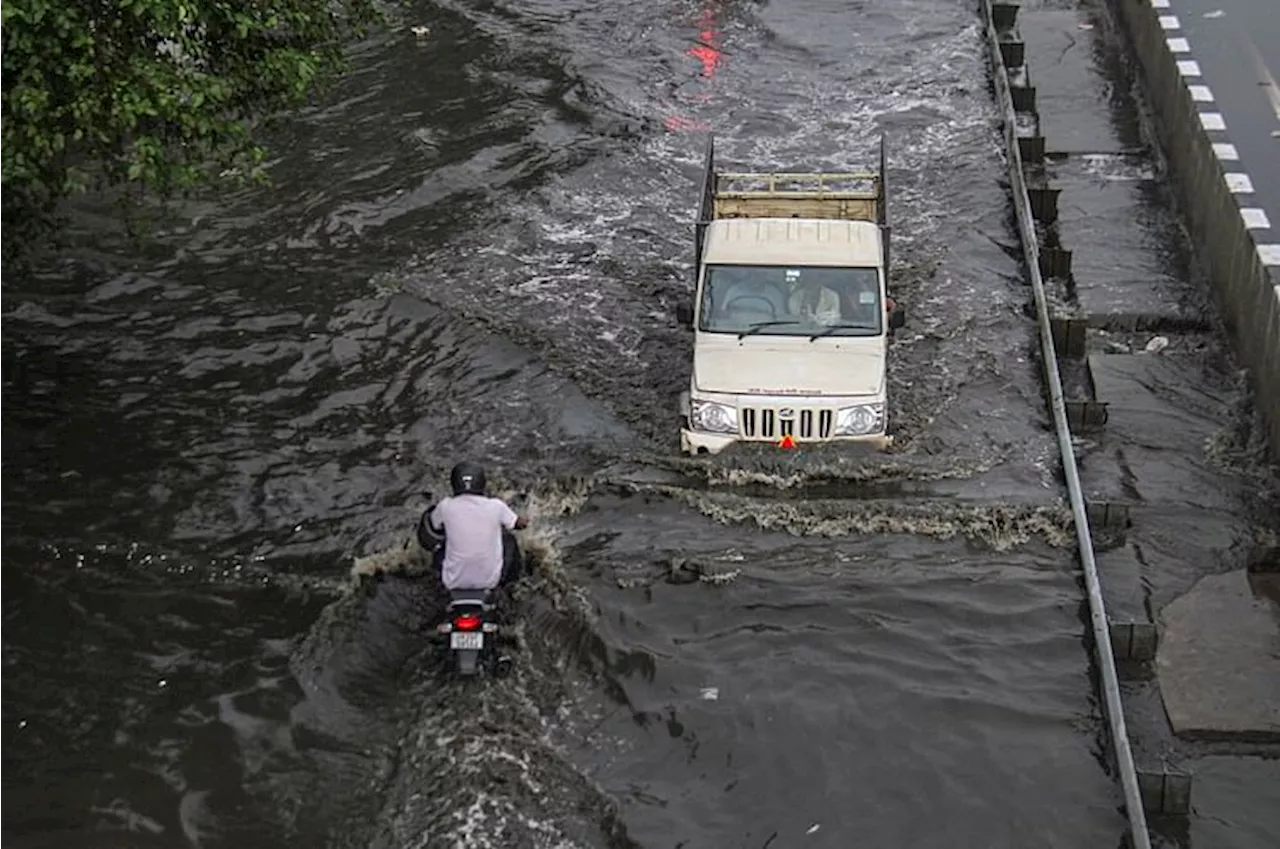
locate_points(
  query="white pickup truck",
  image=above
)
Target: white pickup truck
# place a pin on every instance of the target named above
(791, 317)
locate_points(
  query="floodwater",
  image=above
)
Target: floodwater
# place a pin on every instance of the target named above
(474, 248)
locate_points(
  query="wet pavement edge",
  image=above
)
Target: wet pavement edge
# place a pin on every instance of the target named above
(1220, 204)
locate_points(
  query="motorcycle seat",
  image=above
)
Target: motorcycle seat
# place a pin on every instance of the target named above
(469, 597)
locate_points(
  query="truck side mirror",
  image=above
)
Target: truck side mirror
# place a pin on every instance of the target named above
(684, 313)
(897, 318)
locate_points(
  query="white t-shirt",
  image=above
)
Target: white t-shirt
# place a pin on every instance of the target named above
(824, 309)
(473, 540)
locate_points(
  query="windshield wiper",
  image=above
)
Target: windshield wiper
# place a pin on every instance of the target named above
(827, 331)
(759, 325)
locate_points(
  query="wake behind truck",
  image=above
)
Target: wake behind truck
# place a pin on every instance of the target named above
(791, 315)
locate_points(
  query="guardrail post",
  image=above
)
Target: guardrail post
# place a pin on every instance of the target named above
(1165, 792)
(1264, 557)
(1055, 262)
(1013, 52)
(1044, 203)
(1004, 16)
(1086, 415)
(1133, 640)
(1024, 97)
(1031, 148)
(1069, 335)
(1108, 514)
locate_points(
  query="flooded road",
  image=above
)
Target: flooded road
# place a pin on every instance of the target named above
(474, 249)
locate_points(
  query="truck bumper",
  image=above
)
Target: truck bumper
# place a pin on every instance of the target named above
(697, 442)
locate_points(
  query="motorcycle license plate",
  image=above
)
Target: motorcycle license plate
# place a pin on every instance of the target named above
(466, 640)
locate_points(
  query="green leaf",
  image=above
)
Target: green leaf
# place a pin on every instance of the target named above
(161, 93)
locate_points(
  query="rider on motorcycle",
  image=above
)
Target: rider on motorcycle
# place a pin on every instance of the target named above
(479, 554)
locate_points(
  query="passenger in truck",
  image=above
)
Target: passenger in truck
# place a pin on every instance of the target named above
(813, 302)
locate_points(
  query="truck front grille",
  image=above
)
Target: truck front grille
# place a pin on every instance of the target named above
(777, 422)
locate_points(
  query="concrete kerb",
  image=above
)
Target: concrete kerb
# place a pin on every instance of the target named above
(1235, 239)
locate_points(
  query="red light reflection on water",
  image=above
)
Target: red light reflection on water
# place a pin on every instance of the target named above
(706, 50)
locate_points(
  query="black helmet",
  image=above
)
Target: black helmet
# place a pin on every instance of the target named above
(467, 478)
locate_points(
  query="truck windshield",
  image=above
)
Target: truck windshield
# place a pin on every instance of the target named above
(797, 300)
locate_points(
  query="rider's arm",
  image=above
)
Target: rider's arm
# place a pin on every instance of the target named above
(510, 520)
(433, 518)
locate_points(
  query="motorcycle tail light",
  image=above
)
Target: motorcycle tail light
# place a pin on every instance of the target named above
(467, 622)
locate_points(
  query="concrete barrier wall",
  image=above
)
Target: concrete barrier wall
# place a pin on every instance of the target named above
(1247, 290)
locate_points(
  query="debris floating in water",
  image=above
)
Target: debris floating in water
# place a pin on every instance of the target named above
(420, 31)
(813, 828)
(710, 694)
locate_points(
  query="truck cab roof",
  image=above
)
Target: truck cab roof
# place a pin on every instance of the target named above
(792, 241)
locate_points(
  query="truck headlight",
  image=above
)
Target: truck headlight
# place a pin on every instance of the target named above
(860, 420)
(713, 417)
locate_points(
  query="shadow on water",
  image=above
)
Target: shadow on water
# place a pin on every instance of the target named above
(63, 453)
(180, 705)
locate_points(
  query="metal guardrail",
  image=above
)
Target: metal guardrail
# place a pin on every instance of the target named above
(1097, 610)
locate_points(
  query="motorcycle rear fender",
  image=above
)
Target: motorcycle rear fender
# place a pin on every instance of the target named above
(468, 662)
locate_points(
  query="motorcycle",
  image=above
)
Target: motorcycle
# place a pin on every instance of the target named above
(473, 635)
(470, 627)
